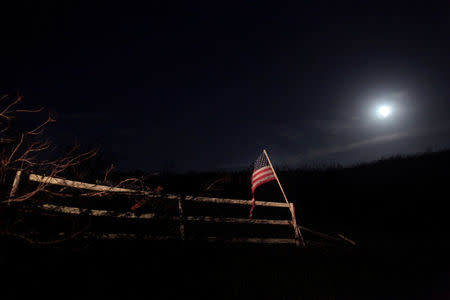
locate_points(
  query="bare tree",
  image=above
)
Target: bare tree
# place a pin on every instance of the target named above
(29, 151)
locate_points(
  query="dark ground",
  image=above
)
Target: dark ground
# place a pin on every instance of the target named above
(153, 271)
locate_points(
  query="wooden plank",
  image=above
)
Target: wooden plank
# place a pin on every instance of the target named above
(236, 201)
(347, 239)
(80, 185)
(94, 212)
(133, 236)
(322, 235)
(130, 215)
(297, 232)
(253, 240)
(237, 220)
(15, 184)
(208, 219)
(104, 188)
(127, 236)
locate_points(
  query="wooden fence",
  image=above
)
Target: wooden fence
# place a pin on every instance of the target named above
(181, 219)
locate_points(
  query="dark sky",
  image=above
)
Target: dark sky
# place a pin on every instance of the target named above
(207, 86)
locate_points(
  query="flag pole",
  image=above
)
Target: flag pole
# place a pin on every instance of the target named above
(298, 233)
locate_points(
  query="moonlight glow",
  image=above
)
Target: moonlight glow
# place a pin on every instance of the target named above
(384, 111)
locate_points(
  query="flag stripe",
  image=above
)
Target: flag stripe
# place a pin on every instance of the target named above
(258, 171)
(261, 175)
(262, 181)
(253, 207)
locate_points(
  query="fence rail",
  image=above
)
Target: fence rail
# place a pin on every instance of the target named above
(133, 236)
(104, 188)
(79, 185)
(181, 218)
(129, 215)
(94, 212)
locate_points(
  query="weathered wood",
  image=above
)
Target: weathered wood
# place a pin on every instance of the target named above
(319, 234)
(127, 236)
(347, 239)
(104, 188)
(298, 233)
(181, 213)
(79, 185)
(133, 236)
(298, 236)
(181, 218)
(253, 240)
(236, 201)
(15, 184)
(107, 213)
(94, 212)
(130, 215)
(237, 220)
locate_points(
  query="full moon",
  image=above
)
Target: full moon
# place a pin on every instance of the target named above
(384, 111)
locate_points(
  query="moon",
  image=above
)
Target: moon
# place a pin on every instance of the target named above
(384, 111)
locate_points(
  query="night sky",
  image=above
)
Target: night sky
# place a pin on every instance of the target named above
(207, 85)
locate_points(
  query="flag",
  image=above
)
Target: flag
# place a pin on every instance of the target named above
(262, 173)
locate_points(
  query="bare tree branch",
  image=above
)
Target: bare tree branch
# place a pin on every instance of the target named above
(28, 151)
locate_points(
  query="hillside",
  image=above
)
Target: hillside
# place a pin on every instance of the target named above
(378, 203)
(395, 208)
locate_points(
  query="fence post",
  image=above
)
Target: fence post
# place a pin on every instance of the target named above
(15, 185)
(181, 214)
(298, 234)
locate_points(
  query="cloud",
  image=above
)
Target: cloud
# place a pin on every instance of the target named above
(437, 128)
(331, 124)
(358, 144)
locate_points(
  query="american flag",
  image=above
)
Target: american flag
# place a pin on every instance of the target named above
(262, 173)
